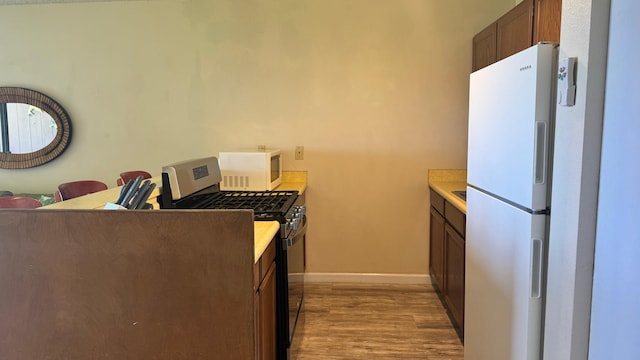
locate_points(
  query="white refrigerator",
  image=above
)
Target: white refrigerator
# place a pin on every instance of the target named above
(511, 111)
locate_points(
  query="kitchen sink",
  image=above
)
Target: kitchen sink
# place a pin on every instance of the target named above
(461, 194)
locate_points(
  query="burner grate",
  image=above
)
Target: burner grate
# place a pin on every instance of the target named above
(258, 201)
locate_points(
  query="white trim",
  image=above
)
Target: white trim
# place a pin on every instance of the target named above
(367, 278)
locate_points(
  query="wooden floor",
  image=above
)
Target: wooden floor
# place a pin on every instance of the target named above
(364, 321)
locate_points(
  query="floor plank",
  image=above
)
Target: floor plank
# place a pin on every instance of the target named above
(371, 321)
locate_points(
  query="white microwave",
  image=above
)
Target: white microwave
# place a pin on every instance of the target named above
(250, 170)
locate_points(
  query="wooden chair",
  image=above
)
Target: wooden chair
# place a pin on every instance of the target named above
(131, 175)
(74, 189)
(19, 202)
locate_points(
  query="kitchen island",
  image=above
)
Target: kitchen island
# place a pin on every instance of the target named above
(263, 230)
(77, 282)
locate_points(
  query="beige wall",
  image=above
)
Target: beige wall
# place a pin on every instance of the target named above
(376, 91)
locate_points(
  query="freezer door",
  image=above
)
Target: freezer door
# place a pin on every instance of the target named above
(504, 280)
(509, 127)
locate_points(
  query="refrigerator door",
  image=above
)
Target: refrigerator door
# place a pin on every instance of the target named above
(509, 126)
(504, 280)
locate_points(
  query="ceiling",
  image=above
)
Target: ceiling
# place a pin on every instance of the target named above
(24, 2)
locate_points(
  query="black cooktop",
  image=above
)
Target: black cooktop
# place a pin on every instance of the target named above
(266, 205)
(261, 202)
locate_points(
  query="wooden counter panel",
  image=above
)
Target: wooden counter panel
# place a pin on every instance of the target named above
(445, 190)
(437, 201)
(456, 217)
(93, 284)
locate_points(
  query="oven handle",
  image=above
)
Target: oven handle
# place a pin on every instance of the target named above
(289, 241)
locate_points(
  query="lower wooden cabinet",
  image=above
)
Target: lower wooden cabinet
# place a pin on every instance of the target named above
(454, 280)
(267, 318)
(436, 249)
(265, 305)
(447, 257)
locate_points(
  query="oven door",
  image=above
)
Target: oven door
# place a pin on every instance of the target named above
(296, 264)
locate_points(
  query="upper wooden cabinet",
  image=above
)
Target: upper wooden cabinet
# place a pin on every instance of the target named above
(514, 30)
(528, 23)
(546, 21)
(484, 47)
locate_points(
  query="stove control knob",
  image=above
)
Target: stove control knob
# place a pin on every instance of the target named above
(302, 210)
(299, 212)
(293, 224)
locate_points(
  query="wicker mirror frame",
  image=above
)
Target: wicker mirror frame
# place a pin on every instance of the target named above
(51, 107)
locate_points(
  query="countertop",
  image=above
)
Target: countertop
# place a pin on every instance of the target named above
(264, 231)
(100, 199)
(293, 180)
(445, 182)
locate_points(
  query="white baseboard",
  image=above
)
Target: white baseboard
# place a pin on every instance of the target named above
(367, 278)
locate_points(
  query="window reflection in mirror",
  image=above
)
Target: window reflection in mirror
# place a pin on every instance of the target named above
(34, 128)
(25, 128)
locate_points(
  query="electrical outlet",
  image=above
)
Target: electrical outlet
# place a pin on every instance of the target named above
(262, 147)
(300, 152)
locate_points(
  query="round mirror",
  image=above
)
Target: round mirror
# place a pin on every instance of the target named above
(34, 128)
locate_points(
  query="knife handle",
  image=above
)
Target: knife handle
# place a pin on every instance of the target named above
(124, 191)
(145, 196)
(138, 196)
(132, 190)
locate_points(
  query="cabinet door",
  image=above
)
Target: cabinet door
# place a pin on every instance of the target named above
(454, 270)
(267, 326)
(484, 48)
(436, 249)
(547, 21)
(256, 323)
(515, 30)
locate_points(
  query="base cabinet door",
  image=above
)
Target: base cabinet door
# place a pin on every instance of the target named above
(447, 257)
(454, 278)
(267, 322)
(265, 305)
(436, 249)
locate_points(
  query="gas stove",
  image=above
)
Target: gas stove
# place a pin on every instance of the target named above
(195, 184)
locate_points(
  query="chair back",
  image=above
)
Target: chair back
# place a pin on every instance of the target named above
(131, 175)
(74, 189)
(19, 202)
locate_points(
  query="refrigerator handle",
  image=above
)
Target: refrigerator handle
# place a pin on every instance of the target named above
(540, 152)
(536, 268)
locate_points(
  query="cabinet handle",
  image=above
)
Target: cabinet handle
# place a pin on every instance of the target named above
(536, 267)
